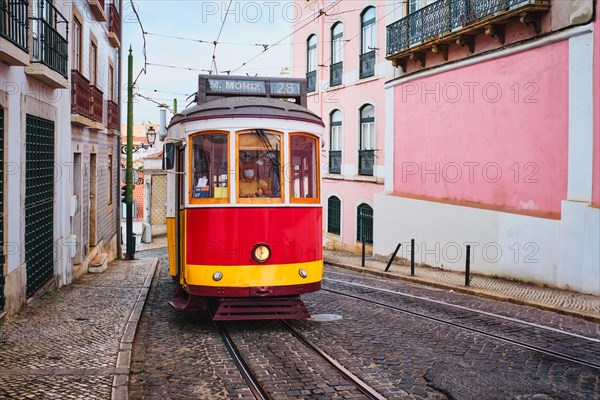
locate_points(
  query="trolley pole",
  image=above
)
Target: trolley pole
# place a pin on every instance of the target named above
(130, 249)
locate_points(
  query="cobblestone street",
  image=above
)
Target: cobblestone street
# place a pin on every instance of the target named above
(179, 355)
(66, 344)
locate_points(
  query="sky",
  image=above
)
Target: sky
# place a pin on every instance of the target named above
(248, 25)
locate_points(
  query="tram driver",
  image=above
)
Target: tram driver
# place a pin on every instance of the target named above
(250, 185)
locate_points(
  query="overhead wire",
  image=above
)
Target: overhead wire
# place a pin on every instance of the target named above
(310, 20)
(144, 39)
(399, 4)
(214, 57)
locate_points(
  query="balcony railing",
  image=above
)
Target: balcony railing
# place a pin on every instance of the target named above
(114, 20)
(335, 162)
(97, 103)
(50, 30)
(366, 160)
(14, 24)
(367, 64)
(80, 94)
(113, 115)
(443, 17)
(311, 81)
(335, 73)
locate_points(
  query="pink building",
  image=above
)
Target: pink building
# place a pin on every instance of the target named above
(492, 138)
(340, 47)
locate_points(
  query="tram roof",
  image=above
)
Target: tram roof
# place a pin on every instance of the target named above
(247, 107)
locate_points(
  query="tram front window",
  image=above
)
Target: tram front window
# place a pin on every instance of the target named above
(259, 165)
(209, 166)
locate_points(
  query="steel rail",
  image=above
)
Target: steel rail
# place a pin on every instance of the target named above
(246, 372)
(349, 376)
(457, 306)
(469, 329)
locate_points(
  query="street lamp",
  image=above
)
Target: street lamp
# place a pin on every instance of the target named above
(150, 137)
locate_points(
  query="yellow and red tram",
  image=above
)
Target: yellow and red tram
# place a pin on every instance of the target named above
(244, 216)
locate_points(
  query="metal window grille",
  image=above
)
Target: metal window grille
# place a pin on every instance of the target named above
(1, 209)
(364, 223)
(334, 215)
(39, 200)
(14, 24)
(49, 37)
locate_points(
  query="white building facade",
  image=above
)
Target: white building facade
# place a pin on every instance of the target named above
(36, 147)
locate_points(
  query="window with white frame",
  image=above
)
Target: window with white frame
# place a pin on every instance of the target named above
(311, 53)
(368, 31)
(337, 36)
(336, 131)
(367, 127)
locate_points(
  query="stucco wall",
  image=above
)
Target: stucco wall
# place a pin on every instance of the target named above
(492, 134)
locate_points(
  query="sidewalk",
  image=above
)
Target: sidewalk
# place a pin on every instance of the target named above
(75, 342)
(561, 301)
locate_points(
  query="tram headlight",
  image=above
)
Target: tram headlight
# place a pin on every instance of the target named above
(302, 273)
(261, 253)
(217, 276)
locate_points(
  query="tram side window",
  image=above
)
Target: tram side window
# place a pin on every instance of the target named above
(303, 150)
(259, 165)
(209, 166)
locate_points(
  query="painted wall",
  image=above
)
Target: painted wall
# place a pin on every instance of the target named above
(557, 242)
(488, 134)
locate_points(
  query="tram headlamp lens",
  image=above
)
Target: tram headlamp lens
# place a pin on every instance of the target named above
(261, 253)
(303, 273)
(217, 276)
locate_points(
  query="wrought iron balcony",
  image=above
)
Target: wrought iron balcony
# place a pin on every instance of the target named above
(14, 23)
(335, 73)
(96, 103)
(443, 22)
(311, 81)
(366, 160)
(335, 162)
(367, 64)
(114, 25)
(80, 94)
(50, 30)
(113, 115)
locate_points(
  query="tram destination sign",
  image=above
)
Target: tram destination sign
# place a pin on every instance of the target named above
(237, 86)
(211, 87)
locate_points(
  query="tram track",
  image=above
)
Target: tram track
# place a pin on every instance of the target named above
(251, 380)
(258, 389)
(461, 313)
(363, 387)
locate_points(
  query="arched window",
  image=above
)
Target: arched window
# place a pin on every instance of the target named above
(335, 142)
(334, 215)
(368, 43)
(366, 152)
(337, 54)
(364, 223)
(311, 63)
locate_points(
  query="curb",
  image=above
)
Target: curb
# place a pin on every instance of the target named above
(120, 384)
(476, 292)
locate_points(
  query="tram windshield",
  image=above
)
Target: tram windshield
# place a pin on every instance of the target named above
(259, 155)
